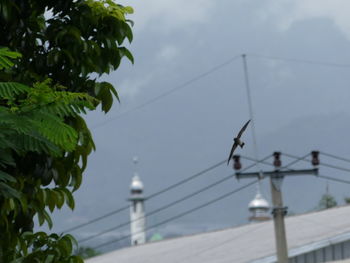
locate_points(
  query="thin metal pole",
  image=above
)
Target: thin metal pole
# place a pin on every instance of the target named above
(251, 113)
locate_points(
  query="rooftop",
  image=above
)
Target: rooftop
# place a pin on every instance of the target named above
(248, 243)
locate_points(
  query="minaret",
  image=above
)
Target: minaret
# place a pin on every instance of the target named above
(259, 207)
(137, 211)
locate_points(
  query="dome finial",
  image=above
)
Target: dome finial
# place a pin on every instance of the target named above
(136, 183)
(259, 206)
(135, 160)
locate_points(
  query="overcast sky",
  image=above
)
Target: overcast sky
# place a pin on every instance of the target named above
(298, 107)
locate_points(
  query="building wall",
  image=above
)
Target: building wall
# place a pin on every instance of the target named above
(330, 253)
(137, 223)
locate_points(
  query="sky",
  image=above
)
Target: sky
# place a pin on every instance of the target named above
(298, 107)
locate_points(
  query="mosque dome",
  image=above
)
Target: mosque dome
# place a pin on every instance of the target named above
(259, 203)
(136, 184)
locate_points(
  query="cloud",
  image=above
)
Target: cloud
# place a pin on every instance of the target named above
(288, 12)
(131, 87)
(167, 53)
(169, 14)
(278, 74)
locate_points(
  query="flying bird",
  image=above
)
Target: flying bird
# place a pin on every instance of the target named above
(237, 141)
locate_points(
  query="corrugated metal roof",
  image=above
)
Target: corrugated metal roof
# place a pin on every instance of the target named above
(248, 243)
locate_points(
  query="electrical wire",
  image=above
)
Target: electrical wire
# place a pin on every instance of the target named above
(319, 175)
(305, 61)
(335, 157)
(321, 163)
(253, 230)
(205, 204)
(170, 187)
(166, 93)
(297, 159)
(126, 223)
(212, 70)
(283, 167)
(184, 213)
(333, 179)
(170, 204)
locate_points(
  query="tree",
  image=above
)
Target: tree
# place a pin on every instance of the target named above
(327, 201)
(44, 142)
(347, 200)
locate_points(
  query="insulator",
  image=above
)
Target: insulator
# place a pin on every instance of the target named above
(236, 162)
(315, 160)
(277, 161)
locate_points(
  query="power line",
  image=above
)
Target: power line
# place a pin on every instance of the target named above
(121, 209)
(264, 162)
(170, 204)
(321, 163)
(97, 219)
(254, 229)
(184, 213)
(335, 157)
(187, 179)
(249, 231)
(166, 93)
(283, 167)
(333, 179)
(319, 175)
(212, 70)
(158, 209)
(196, 208)
(305, 61)
(149, 197)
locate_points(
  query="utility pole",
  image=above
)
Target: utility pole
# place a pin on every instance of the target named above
(279, 211)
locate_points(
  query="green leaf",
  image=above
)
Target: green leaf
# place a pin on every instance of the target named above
(41, 217)
(59, 197)
(5, 56)
(72, 239)
(69, 198)
(51, 200)
(47, 218)
(105, 95)
(5, 177)
(49, 259)
(8, 191)
(125, 52)
(11, 89)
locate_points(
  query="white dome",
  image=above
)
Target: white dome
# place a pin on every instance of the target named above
(258, 203)
(136, 184)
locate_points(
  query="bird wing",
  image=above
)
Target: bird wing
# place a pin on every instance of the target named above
(234, 146)
(243, 129)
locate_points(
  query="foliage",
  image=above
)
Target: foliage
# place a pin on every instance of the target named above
(347, 200)
(50, 55)
(87, 252)
(327, 201)
(32, 120)
(47, 248)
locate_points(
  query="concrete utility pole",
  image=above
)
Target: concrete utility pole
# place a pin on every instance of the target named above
(279, 211)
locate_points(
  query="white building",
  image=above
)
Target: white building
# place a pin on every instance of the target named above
(259, 208)
(137, 212)
(322, 236)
